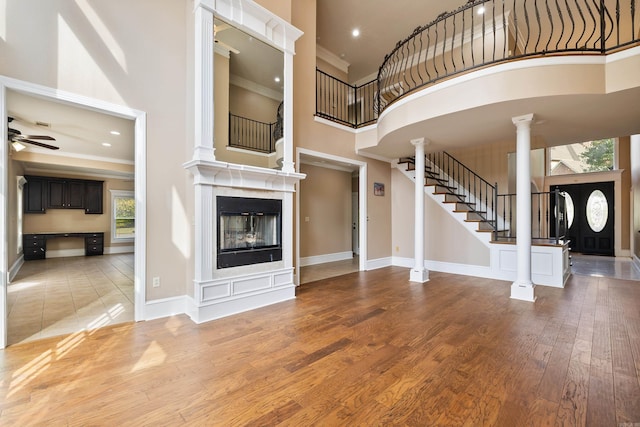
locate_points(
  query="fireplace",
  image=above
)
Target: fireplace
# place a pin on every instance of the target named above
(249, 231)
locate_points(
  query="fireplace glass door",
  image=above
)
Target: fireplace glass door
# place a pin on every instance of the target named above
(248, 231)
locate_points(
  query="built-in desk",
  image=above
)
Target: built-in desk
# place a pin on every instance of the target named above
(34, 246)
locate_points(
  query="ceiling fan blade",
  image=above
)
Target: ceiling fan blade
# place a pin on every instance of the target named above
(45, 137)
(39, 144)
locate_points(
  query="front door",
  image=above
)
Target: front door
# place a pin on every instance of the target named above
(591, 227)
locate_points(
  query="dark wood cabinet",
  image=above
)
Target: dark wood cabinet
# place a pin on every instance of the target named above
(94, 244)
(41, 193)
(65, 194)
(34, 246)
(93, 197)
(34, 195)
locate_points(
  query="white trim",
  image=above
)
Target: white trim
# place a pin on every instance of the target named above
(332, 59)
(322, 259)
(15, 268)
(374, 264)
(159, 308)
(251, 152)
(254, 20)
(255, 88)
(140, 135)
(344, 127)
(114, 250)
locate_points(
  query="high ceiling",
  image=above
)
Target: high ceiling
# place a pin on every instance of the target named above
(382, 23)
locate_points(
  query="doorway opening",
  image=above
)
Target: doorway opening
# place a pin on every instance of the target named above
(128, 259)
(331, 225)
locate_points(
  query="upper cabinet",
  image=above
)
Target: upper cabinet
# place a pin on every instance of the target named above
(41, 193)
(65, 194)
(34, 194)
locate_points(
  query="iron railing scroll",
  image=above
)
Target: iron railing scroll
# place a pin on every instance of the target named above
(478, 34)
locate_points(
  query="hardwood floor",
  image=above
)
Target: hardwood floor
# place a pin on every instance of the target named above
(367, 348)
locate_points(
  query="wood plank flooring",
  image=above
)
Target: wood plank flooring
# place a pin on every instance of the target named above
(367, 348)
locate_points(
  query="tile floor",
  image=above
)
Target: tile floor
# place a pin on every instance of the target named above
(57, 296)
(604, 266)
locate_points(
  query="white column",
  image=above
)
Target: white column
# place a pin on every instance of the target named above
(523, 288)
(418, 272)
(203, 84)
(287, 119)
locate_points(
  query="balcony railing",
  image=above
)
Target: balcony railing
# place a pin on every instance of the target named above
(548, 217)
(253, 135)
(478, 34)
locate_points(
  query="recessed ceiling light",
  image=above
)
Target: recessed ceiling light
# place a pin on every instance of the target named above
(481, 10)
(114, 132)
(277, 79)
(106, 144)
(355, 32)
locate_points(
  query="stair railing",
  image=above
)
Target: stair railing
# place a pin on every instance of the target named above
(471, 187)
(549, 219)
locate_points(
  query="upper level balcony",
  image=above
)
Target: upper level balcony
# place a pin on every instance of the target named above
(460, 79)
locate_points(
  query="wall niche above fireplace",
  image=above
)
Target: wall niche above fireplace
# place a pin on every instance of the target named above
(249, 231)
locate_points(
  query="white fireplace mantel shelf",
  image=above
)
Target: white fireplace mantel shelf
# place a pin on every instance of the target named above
(225, 174)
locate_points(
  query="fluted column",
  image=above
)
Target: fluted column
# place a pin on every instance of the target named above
(203, 84)
(418, 272)
(287, 161)
(523, 288)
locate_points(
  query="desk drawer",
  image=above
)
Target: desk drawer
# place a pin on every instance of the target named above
(95, 241)
(33, 253)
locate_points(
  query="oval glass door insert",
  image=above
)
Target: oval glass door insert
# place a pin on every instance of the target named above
(569, 206)
(597, 211)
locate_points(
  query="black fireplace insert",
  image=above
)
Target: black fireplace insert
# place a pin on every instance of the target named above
(249, 231)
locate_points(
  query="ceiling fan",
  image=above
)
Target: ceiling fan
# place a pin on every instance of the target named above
(15, 136)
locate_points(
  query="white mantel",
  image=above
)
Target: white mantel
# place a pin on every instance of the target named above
(225, 291)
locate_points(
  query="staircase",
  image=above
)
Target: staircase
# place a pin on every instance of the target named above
(470, 198)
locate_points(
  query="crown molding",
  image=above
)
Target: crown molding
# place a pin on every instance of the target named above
(332, 59)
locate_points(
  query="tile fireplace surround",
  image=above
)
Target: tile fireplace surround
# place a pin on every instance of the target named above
(220, 292)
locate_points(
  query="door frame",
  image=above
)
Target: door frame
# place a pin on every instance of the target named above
(140, 141)
(362, 205)
(593, 177)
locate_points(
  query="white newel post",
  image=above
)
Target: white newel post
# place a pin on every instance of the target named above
(204, 57)
(523, 288)
(418, 272)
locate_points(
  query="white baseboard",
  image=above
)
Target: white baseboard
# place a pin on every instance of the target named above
(110, 250)
(373, 264)
(321, 259)
(165, 307)
(11, 274)
(447, 267)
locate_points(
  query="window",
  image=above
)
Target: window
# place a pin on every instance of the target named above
(582, 157)
(123, 216)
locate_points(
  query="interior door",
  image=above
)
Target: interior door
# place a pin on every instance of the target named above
(591, 227)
